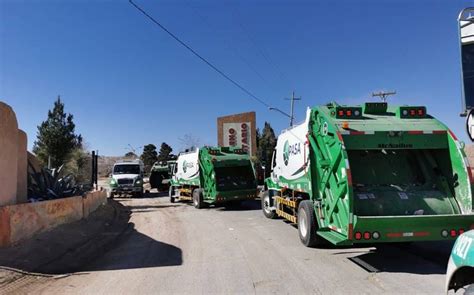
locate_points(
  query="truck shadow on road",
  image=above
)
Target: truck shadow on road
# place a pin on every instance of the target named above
(150, 208)
(423, 258)
(415, 258)
(135, 250)
(107, 240)
(248, 205)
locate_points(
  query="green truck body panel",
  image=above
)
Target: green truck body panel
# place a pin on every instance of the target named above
(224, 173)
(392, 170)
(160, 175)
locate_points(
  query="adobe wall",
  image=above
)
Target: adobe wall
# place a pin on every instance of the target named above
(8, 155)
(22, 166)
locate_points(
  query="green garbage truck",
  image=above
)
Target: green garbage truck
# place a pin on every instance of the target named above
(213, 175)
(160, 175)
(370, 174)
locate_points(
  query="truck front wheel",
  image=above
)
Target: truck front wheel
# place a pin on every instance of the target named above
(266, 206)
(197, 198)
(307, 225)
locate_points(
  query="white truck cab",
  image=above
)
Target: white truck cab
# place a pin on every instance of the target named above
(127, 178)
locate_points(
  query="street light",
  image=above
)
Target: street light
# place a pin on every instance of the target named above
(280, 111)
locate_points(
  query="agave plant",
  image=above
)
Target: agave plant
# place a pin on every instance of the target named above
(48, 184)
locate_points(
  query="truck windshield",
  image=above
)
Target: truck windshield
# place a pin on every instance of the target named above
(127, 169)
(234, 178)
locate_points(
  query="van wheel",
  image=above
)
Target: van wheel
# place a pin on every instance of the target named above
(197, 198)
(469, 290)
(307, 225)
(269, 213)
(170, 194)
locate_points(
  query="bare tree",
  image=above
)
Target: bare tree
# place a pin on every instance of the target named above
(189, 142)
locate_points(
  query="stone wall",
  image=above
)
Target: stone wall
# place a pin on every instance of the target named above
(22, 169)
(8, 155)
(22, 221)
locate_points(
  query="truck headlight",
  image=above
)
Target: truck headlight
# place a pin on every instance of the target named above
(138, 182)
(113, 182)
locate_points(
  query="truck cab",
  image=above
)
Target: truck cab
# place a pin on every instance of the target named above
(127, 178)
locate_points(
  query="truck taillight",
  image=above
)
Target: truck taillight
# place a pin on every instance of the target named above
(348, 112)
(412, 112)
(453, 233)
(366, 235)
(375, 235)
(444, 233)
(358, 236)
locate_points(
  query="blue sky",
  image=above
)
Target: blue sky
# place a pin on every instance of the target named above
(127, 82)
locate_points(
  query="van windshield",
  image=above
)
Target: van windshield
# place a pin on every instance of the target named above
(127, 169)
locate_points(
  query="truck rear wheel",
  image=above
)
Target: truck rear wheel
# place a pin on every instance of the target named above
(197, 198)
(307, 225)
(171, 194)
(266, 204)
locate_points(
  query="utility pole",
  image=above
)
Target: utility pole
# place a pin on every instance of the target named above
(292, 99)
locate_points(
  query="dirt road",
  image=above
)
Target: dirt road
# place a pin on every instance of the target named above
(174, 248)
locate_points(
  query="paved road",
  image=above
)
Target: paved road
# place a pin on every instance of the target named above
(175, 248)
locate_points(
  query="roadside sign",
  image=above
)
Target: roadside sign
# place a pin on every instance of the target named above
(466, 41)
(470, 124)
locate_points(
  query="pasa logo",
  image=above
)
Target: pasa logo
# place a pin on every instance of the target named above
(286, 153)
(187, 165)
(289, 150)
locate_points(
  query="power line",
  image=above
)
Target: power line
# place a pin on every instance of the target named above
(228, 44)
(199, 56)
(261, 50)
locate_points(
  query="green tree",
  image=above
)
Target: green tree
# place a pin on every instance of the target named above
(266, 142)
(165, 152)
(149, 156)
(79, 165)
(56, 138)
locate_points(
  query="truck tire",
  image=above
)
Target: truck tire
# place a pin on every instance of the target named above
(266, 206)
(138, 195)
(307, 225)
(171, 194)
(197, 198)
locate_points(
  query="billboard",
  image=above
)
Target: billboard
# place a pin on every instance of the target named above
(238, 130)
(466, 36)
(237, 135)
